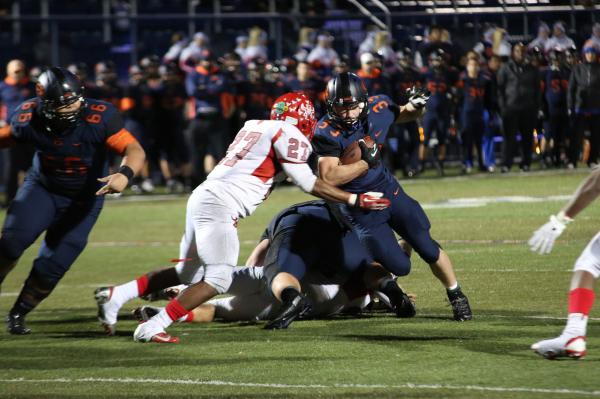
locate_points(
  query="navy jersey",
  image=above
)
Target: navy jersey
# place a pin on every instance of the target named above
(375, 82)
(313, 88)
(556, 84)
(257, 98)
(210, 90)
(12, 94)
(71, 162)
(330, 141)
(439, 82)
(474, 92)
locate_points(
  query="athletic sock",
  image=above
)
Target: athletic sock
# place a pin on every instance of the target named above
(288, 294)
(581, 301)
(126, 292)
(454, 292)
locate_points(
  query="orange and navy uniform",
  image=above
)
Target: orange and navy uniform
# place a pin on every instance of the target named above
(210, 92)
(70, 163)
(13, 93)
(257, 98)
(375, 81)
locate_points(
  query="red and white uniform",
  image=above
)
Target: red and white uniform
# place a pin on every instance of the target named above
(262, 153)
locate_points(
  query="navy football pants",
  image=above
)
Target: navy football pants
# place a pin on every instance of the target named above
(67, 223)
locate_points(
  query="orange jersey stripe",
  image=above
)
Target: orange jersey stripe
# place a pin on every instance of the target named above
(119, 141)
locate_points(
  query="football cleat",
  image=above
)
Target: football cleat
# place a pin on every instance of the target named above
(107, 311)
(289, 312)
(563, 346)
(461, 308)
(150, 331)
(145, 313)
(15, 324)
(403, 306)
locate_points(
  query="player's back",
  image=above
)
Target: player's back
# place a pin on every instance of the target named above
(249, 169)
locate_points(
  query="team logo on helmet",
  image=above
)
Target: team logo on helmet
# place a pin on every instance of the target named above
(280, 108)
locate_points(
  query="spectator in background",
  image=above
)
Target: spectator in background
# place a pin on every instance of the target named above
(474, 94)
(542, 38)
(305, 82)
(556, 83)
(403, 143)
(382, 47)
(257, 46)
(519, 100)
(323, 57)
(15, 89)
(343, 65)
(485, 47)
(431, 44)
(595, 37)
(368, 44)
(372, 76)
(559, 39)
(178, 44)
(256, 95)
(306, 39)
(212, 103)
(500, 45)
(583, 101)
(491, 116)
(241, 44)
(190, 55)
(441, 82)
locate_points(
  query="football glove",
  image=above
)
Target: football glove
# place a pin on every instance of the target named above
(372, 201)
(418, 96)
(372, 155)
(543, 239)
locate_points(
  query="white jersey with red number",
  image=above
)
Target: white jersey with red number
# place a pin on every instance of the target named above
(262, 153)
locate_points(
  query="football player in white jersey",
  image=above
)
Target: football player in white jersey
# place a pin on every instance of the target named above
(209, 248)
(571, 343)
(251, 300)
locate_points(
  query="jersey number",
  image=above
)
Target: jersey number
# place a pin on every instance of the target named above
(293, 146)
(96, 118)
(251, 138)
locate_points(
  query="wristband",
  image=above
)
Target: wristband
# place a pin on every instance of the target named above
(127, 171)
(353, 200)
(563, 218)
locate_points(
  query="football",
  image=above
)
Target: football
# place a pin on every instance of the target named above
(352, 153)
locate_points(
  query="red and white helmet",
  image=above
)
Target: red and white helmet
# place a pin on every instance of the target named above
(296, 109)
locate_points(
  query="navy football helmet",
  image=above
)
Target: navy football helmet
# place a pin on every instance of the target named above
(57, 88)
(347, 90)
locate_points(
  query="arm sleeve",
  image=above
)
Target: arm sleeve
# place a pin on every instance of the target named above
(301, 175)
(117, 137)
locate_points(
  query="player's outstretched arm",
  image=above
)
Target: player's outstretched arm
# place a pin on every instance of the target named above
(371, 200)
(543, 238)
(133, 161)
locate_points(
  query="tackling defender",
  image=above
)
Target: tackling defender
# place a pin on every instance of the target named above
(352, 115)
(62, 192)
(241, 181)
(571, 343)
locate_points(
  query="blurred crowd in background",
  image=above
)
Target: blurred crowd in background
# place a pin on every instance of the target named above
(491, 105)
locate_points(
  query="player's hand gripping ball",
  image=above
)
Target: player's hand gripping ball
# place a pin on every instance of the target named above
(365, 149)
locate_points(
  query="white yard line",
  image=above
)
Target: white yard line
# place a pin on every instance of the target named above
(435, 387)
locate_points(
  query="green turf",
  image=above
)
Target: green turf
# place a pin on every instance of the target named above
(375, 355)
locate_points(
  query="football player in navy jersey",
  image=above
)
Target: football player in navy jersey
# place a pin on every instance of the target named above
(63, 191)
(352, 115)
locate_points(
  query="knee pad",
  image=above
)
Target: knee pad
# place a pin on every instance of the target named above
(219, 277)
(429, 252)
(11, 246)
(189, 273)
(400, 267)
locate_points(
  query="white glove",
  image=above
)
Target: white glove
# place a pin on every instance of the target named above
(543, 239)
(418, 97)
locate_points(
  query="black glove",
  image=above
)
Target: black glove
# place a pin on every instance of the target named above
(418, 96)
(372, 155)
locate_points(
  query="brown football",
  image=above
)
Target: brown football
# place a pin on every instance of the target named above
(352, 154)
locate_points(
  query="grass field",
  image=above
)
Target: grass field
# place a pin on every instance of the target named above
(517, 298)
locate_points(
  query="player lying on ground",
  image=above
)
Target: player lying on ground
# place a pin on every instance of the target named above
(63, 191)
(307, 237)
(241, 181)
(571, 342)
(251, 299)
(353, 116)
